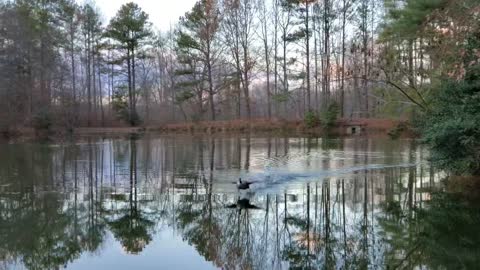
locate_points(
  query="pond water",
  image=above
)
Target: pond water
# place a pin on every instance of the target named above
(170, 202)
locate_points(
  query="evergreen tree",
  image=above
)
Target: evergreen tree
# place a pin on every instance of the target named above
(130, 29)
(197, 46)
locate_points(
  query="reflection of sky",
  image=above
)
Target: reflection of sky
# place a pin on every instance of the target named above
(166, 250)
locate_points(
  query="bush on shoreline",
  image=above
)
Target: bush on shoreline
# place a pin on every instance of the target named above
(452, 126)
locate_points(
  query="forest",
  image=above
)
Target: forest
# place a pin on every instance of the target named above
(108, 158)
(62, 66)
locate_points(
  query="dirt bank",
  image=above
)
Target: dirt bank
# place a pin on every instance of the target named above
(342, 127)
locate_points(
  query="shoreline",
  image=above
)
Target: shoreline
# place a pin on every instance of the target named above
(343, 127)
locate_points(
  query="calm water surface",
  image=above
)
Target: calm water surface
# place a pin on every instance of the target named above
(165, 202)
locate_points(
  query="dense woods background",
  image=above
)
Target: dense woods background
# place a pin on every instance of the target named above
(61, 65)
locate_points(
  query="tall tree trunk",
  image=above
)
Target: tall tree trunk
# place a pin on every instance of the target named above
(246, 82)
(88, 79)
(411, 66)
(134, 89)
(94, 82)
(342, 89)
(101, 97)
(326, 75)
(307, 30)
(210, 82)
(275, 58)
(285, 76)
(74, 86)
(365, 54)
(130, 94)
(315, 51)
(267, 59)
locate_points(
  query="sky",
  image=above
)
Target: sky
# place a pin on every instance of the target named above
(162, 13)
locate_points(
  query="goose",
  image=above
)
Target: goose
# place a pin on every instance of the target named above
(244, 184)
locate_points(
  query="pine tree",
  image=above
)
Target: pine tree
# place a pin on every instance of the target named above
(130, 29)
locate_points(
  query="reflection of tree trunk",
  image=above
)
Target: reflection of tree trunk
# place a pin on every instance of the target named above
(285, 210)
(327, 222)
(212, 166)
(238, 152)
(101, 165)
(64, 167)
(133, 177)
(90, 185)
(209, 190)
(421, 180)
(265, 233)
(247, 154)
(200, 160)
(147, 149)
(269, 147)
(75, 176)
(315, 222)
(309, 149)
(411, 178)
(277, 236)
(97, 200)
(365, 216)
(308, 219)
(173, 163)
(344, 220)
(432, 175)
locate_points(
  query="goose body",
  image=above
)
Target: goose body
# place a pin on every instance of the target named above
(243, 184)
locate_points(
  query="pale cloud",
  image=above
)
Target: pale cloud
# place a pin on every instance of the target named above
(162, 13)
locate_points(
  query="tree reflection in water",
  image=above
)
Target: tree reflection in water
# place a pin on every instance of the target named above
(130, 225)
(58, 202)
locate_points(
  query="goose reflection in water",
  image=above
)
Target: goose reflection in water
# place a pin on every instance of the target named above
(243, 202)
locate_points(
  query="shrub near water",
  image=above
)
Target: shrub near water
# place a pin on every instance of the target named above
(329, 117)
(452, 126)
(311, 119)
(42, 121)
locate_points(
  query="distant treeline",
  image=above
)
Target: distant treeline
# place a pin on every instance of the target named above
(61, 65)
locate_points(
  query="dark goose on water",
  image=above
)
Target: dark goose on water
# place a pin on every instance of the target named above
(244, 184)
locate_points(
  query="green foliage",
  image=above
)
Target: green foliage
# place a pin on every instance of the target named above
(91, 21)
(180, 72)
(395, 132)
(185, 41)
(130, 26)
(407, 21)
(42, 120)
(133, 231)
(452, 127)
(329, 116)
(296, 36)
(446, 248)
(281, 97)
(198, 29)
(311, 119)
(183, 96)
(120, 104)
(442, 235)
(121, 108)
